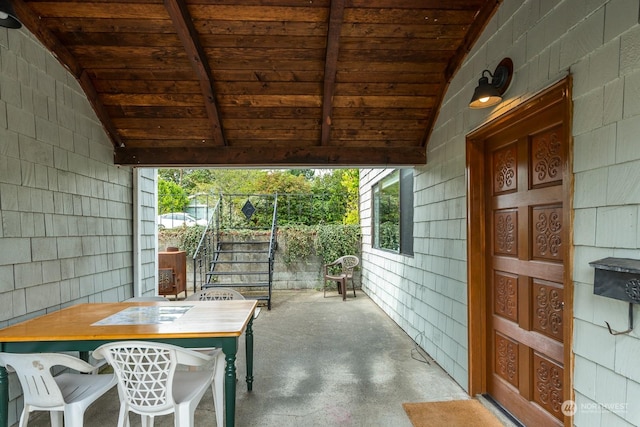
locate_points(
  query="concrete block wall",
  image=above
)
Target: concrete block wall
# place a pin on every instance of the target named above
(607, 155)
(65, 209)
(598, 43)
(296, 274)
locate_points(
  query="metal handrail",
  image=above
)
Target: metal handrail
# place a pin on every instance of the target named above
(273, 244)
(208, 245)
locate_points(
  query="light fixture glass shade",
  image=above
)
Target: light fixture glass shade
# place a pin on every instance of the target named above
(485, 95)
(8, 17)
(489, 94)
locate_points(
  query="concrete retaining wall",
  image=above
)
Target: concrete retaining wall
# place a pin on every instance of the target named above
(302, 274)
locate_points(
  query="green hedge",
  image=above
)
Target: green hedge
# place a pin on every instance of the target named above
(328, 241)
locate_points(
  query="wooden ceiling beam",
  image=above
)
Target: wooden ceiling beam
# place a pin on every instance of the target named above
(237, 83)
(31, 21)
(271, 156)
(188, 35)
(475, 30)
(336, 15)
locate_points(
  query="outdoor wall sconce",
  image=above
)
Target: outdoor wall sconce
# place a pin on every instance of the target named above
(8, 16)
(618, 278)
(489, 94)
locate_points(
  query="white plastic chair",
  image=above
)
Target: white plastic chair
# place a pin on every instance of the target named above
(150, 385)
(68, 393)
(217, 294)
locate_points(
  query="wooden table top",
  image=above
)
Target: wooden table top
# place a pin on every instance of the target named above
(203, 319)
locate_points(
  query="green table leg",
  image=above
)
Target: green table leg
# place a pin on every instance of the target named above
(249, 350)
(230, 382)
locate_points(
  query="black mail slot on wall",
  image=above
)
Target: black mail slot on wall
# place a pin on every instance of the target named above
(617, 278)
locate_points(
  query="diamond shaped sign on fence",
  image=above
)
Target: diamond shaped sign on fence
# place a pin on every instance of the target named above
(248, 209)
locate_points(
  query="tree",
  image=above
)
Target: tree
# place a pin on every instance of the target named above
(305, 197)
(351, 183)
(307, 173)
(337, 193)
(282, 182)
(171, 175)
(171, 197)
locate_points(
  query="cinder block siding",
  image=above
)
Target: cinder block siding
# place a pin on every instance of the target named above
(606, 203)
(147, 232)
(424, 293)
(599, 44)
(66, 211)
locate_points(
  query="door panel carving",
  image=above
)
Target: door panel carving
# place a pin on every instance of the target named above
(546, 157)
(507, 359)
(506, 295)
(505, 232)
(547, 232)
(547, 391)
(505, 176)
(547, 315)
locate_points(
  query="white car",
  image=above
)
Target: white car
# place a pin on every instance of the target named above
(178, 219)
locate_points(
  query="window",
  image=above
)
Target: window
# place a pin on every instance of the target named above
(393, 212)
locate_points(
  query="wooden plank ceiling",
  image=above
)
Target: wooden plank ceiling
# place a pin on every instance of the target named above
(262, 82)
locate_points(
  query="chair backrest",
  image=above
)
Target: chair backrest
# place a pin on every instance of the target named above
(214, 294)
(34, 373)
(349, 262)
(145, 372)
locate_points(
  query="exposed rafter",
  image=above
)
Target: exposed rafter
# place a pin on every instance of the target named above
(330, 66)
(187, 33)
(246, 156)
(259, 83)
(475, 30)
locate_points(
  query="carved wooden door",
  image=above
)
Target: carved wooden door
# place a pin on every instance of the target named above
(526, 251)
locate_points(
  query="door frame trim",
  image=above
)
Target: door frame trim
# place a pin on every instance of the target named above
(476, 235)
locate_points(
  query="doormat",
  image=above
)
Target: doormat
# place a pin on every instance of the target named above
(451, 413)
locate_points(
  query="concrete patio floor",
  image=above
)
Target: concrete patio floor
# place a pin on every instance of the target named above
(319, 362)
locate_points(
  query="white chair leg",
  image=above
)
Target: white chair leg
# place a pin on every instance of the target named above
(184, 416)
(218, 389)
(56, 419)
(147, 421)
(123, 416)
(73, 417)
(24, 417)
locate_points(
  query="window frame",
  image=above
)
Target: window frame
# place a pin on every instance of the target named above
(404, 179)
